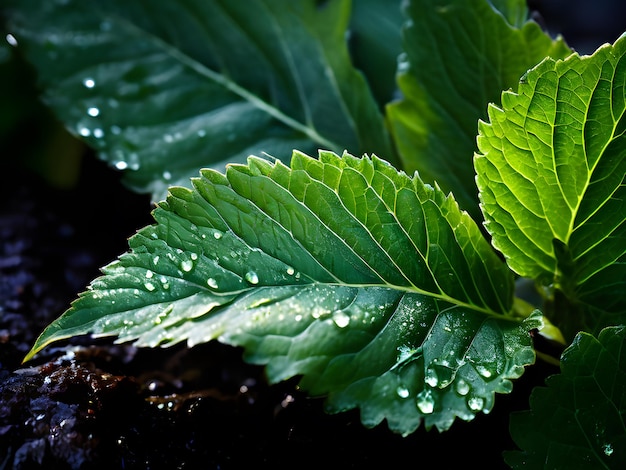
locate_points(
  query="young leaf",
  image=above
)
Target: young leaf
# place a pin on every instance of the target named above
(163, 88)
(551, 176)
(374, 287)
(460, 55)
(577, 421)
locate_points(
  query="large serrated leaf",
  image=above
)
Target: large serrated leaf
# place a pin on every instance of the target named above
(162, 88)
(551, 173)
(460, 55)
(577, 421)
(374, 287)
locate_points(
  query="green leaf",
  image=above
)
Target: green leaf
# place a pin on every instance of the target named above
(577, 421)
(460, 55)
(163, 88)
(376, 43)
(551, 176)
(515, 11)
(374, 287)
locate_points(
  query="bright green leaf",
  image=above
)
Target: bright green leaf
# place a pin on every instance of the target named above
(551, 176)
(374, 287)
(460, 55)
(577, 421)
(162, 88)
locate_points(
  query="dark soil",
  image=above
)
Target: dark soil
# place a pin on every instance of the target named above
(88, 404)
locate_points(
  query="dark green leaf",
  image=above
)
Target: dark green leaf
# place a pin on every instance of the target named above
(376, 44)
(460, 55)
(163, 88)
(577, 421)
(374, 287)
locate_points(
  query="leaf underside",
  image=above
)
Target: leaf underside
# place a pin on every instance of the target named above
(161, 89)
(577, 421)
(372, 286)
(551, 174)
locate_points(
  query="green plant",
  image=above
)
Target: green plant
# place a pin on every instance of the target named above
(380, 289)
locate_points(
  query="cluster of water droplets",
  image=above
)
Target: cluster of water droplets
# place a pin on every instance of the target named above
(438, 376)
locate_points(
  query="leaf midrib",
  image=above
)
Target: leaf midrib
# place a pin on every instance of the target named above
(229, 85)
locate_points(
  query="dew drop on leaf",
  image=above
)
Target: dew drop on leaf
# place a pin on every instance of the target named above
(186, 265)
(212, 283)
(462, 387)
(475, 403)
(402, 392)
(482, 370)
(341, 319)
(431, 377)
(93, 111)
(252, 277)
(425, 401)
(89, 82)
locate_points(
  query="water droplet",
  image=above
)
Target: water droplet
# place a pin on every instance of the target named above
(84, 132)
(149, 286)
(445, 375)
(201, 133)
(426, 402)
(212, 283)
(252, 277)
(431, 377)
(167, 175)
(168, 138)
(194, 256)
(475, 403)
(116, 130)
(93, 111)
(607, 449)
(341, 319)
(155, 260)
(186, 265)
(318, 312)
(98, 133)
(403, 392)
(482, 370)
(149, 274)
(89, 82)
(217, 235)
(290, 271)
(462, 387)
(120, 165)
